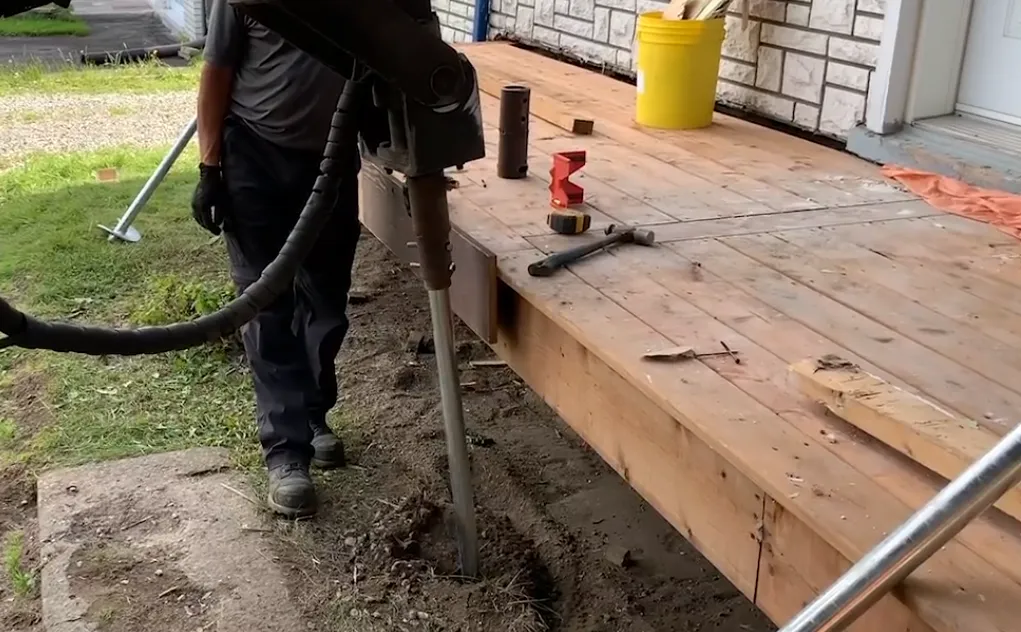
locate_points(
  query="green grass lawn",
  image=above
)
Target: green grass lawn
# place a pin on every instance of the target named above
(143, 77)
(55, 263)
(43, 23)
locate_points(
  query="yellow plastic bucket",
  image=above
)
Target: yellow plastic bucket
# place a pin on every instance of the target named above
(678, 66)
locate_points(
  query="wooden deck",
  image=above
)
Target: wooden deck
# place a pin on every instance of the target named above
(784, 250)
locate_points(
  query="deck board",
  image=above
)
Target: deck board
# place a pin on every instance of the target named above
(995, 265)
(960, 342)
(851, 510)
(784, 250)
(763, 375)
(818, 218)
(636, 178)
(761, 151)
(918, 283)
(937, 376)
(776, 197)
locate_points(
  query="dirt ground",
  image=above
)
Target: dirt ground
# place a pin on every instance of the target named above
(17, 511)
(553, 518)
(18, 508)
(565, 544)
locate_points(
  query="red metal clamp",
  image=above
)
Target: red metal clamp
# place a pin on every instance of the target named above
(563, 192)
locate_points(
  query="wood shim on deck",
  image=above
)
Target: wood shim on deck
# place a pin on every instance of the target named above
(915, 427)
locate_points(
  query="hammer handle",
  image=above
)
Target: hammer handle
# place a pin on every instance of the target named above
(557, 260)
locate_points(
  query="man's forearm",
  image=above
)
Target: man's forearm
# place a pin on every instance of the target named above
(213, 103)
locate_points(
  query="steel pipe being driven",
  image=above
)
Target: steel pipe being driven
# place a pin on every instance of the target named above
(915, 541)
(453, 420)
(431, 219)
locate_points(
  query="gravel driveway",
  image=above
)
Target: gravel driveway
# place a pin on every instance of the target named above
(59, 123)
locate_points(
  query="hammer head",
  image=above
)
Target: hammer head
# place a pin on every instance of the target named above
(643, 237)
(639, 236)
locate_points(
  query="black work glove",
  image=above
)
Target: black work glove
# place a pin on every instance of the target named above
(209, 204)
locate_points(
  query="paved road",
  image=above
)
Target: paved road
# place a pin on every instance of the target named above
(116, 24)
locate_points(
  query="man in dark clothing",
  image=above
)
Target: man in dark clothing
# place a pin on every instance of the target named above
(264, 111)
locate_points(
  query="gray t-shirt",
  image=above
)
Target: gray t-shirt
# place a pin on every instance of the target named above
(285, 95)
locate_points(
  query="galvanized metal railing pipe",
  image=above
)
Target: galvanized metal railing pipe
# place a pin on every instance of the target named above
(124, 229)
(924, 533)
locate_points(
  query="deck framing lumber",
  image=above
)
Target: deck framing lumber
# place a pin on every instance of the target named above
(773, 455)
(929, 435)
(772, 245)
(718, 508)
(383, 210)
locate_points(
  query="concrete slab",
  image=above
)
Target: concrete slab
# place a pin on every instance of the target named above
(158, 543)
(121, 7)
(975, 163)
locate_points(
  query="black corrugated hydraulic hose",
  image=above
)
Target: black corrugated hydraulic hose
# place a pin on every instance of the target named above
(130, 55)
(27, 332)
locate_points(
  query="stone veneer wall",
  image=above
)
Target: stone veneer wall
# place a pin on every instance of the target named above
(456, 17)
(805, 62)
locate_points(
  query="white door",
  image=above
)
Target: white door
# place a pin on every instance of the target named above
(991, 75)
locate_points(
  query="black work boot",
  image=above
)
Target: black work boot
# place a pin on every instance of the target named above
(329, 449)
(291, 492)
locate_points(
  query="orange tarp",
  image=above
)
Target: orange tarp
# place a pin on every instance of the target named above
(997, 208)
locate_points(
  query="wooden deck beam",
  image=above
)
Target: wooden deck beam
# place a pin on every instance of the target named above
(761, 548)
(384, 211)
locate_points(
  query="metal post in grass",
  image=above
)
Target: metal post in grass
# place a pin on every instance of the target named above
(124, 229)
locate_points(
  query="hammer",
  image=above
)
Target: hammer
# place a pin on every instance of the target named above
(554, 262)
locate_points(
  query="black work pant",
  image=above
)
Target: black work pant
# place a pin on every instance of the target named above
(292, 345)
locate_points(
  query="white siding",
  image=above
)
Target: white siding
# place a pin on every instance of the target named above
(182, 17)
